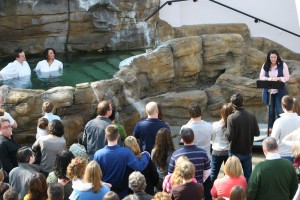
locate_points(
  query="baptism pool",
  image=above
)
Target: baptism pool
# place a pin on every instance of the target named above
(78, 68)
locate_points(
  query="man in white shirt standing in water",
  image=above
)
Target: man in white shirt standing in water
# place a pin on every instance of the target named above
(16, 69)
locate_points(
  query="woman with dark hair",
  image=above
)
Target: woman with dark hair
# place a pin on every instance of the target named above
(274, 69)
(37, 188)
(50, 145)
(63, 159)
(220, 143)
(165, 146)
(50, 64)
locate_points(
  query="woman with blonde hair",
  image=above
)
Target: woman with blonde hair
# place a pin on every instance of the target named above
(165, 146)
(149, 172)
(233, 176)
(92, 177)
(220, 143)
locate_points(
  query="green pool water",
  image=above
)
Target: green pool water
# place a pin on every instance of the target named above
(78, 68)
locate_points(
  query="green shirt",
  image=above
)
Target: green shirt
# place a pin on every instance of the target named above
(121, 131)
(273, 179)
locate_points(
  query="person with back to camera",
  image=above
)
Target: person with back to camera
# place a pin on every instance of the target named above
(78, 149)
(121, 129)
(187, 189)
(10, 194)
(47, 109)
(196, 155)
(274, 178)
(111, 196)
(287, 123)
(50, 145)
(137, 183)
(59, 173)
(37, 188)
(242, 126)
(161, 154)
(114, 159)
(220, 144)
(50, 64)
(233, 176)
(3, 186)
(274, 69)
(149, 172)
(19, 176)
(92, 176)
(145, 130)
(238, 193)
(55, 192)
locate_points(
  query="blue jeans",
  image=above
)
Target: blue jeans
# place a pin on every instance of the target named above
(274, 109)
(216, 162)
(246, 161)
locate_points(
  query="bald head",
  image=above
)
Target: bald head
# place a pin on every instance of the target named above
(152, 110)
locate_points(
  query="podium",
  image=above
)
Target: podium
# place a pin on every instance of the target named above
(269, 85)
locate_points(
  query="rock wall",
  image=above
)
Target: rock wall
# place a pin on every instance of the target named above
(75, 25)
(204, 64)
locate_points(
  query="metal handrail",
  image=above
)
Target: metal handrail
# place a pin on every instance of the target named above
(256, 19)
(160, 7)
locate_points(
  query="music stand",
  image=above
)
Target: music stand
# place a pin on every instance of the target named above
(269, 85)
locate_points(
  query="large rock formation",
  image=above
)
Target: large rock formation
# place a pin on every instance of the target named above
(77, 25)
(204, 64)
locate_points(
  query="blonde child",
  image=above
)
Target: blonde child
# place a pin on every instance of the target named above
(172, 180)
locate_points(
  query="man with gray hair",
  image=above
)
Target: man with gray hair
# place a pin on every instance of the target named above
(145, 130)
(273, 178)
(137, 183)
(10, 194)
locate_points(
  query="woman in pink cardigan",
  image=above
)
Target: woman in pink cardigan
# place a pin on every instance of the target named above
(233, 176)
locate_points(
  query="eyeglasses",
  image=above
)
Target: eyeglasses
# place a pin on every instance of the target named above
(6, 127)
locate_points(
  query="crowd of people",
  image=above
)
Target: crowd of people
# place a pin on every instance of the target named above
(108, 163)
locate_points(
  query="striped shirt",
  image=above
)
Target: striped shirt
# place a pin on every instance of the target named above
(196, 155)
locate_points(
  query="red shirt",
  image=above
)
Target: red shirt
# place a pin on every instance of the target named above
(223, 186)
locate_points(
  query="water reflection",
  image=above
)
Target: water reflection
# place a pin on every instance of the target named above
(20, 82)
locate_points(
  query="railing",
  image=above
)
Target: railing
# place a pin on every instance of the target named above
(256, 19)
(160, 7)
